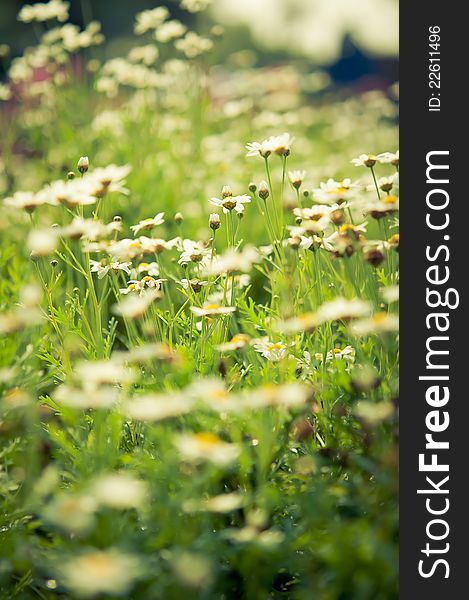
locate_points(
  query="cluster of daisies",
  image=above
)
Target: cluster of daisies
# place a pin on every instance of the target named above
(331, 220)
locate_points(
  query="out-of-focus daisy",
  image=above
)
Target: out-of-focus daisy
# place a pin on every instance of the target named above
(42, 242)
(379, 323)
(223, 503)
(150, 19)
(373, 413)
(87, 229)
(93, 374)
(206, 446)
(71, 511)
(148, 224)
(390, 293)
(171, 30)
(304, 322)
(97, 398)
(212, 310)
(109, 179)
(99, 572)
(288, 395)
(134, 306)
(341, 309)
(233, 261)
(193, 45)
(27, 201)
(44, 11)
(387, 206)
(194, 6)
(230, 203)
(157, 407)
(238, 341)
(389, 158)
(280, 144)
(118, 490)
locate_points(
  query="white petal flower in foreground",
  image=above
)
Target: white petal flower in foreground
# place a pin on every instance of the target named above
(206, 446)
(373, 412)
(238, 341)
(389, 158)
(27, 201)
(212, 310)
(72, 512)
(98, 398)
(119, 490)
(135, 306)
(390, 293)
(379, 323)
(100, 572)
(42, 242)
(342, 309)
(234, 261)
(157, 407)
(92, 374)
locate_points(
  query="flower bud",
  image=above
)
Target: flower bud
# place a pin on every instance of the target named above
(214, 221)
(252, 187)
(226, 191)
(263, 190)
(83, 164)
(70, 175)
(178, 218)
(337, 216)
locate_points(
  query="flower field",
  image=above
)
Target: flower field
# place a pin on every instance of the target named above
(199, 268)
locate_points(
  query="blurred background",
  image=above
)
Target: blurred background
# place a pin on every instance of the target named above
(355, 41)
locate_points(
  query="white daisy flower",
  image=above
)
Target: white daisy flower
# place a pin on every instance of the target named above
(100, 572)
(389, 158)
(230, 203)
(103, 268)
(206, 446)
(212, 310)
(273, 351)
(148, 224)
(365, 160)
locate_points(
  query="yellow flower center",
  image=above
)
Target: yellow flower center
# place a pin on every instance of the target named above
(207, 439)
(390, 200)
(276, 346)
(379, 317)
